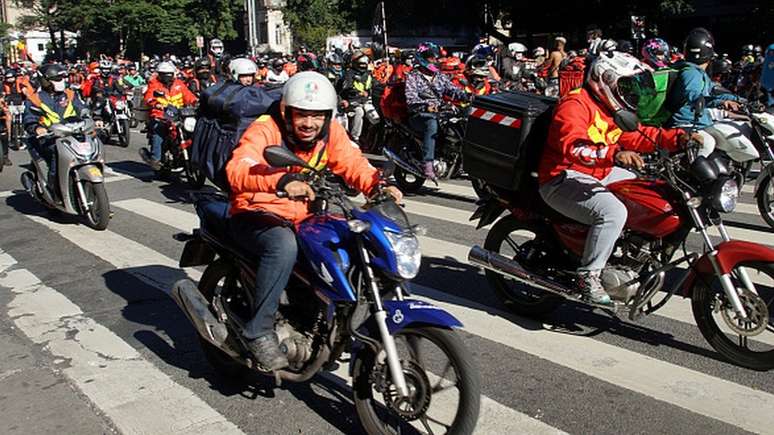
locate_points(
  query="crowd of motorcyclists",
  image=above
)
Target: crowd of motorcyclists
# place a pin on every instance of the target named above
(585, 151)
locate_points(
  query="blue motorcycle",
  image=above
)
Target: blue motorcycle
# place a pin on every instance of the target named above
(347, 295)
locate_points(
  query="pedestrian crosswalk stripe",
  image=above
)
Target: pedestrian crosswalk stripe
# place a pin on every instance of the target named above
(703, 394)
(134, 394)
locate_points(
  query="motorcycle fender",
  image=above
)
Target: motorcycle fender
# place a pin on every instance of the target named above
(404, 314)
(91, 173)
(487, 213)
(196, 252)
(767, 173)
(728, 255)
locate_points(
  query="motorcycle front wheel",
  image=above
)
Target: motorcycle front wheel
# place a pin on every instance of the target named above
(747, 343)
(98, 213)
(408, 182)
(765, 200)
(123, 138)
(509, 237)
(443, 381)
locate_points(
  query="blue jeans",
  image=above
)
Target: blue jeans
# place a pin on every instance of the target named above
(157, 131)
(275, 249)
(427, 124)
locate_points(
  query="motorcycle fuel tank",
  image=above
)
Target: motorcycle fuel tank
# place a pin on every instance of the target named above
(649, 210)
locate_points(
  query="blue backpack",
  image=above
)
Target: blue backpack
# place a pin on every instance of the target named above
(226, 110)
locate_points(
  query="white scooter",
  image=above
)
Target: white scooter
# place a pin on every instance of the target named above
(78, 188)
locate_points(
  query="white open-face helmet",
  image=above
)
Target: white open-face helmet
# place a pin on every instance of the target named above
(242, 67)
(618, 80)
(166, 68)
(309, 90)
(517, 47)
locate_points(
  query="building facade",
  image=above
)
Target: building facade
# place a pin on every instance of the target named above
(267, 30)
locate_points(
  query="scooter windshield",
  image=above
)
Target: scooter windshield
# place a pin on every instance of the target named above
(391, 211)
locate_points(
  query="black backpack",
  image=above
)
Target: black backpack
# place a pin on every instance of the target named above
(226, 110)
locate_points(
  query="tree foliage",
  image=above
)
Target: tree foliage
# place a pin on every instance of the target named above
(136, 25)
(312, 21)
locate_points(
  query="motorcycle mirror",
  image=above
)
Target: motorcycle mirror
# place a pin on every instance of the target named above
(626, 121)
(698, 106)
(280, 157)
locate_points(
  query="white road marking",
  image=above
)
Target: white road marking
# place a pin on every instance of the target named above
(134, 394)
(132, 257)
(697, 392)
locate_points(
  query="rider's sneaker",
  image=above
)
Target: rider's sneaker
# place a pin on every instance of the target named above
(267, 352)
(429, 171)
(153, 163)
(590, 287)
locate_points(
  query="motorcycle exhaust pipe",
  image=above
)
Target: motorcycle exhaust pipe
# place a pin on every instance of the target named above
(196, 308)
(505, 266)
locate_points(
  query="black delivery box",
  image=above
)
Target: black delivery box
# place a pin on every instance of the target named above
(505, 136)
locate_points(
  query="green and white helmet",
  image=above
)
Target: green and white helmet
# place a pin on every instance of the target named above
(618, 80)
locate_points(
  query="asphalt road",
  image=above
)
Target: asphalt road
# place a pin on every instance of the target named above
(90, 342)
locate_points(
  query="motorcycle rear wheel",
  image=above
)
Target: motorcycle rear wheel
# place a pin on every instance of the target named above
(408, 182)
(193, 176)
(517, 297)
(711, 311)
(228, 368)
(429, 378)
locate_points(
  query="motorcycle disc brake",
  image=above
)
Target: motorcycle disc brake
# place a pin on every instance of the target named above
(757, 315)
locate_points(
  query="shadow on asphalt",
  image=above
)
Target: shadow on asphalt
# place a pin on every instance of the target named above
(168, 333)
(570, 318)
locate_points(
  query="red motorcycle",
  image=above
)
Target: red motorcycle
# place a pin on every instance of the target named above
(531, 254)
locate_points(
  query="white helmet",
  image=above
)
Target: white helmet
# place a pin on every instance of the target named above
(618, 80)
(539, 51)
(166, 68)
(309, 90)
(242, 67)
(517, 47)
(216, 47)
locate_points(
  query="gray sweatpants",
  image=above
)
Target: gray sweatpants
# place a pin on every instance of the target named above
(357, 114)
(585, 199)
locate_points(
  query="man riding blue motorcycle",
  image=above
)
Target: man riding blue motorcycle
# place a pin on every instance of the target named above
(266, 202)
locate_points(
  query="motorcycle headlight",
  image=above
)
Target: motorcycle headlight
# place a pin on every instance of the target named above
(189, 124)
(726, 195)
(407, 254)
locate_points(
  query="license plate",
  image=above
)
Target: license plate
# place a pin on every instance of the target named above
(95, 172)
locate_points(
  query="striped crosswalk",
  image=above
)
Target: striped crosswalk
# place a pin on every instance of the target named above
(620, 378)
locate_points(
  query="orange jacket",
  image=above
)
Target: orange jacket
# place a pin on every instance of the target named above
(290, 68)
(254, 183)
(177, 95)
(583, 137)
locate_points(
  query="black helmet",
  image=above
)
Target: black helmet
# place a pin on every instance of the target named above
(625, 46)
(747, 49)
(202, 63)
(699, 46)
(53, 71)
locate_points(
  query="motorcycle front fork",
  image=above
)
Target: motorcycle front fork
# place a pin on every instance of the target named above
(725, 278)
(380, 315)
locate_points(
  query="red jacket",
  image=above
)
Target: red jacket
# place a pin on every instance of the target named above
(177, 95)
(254, 183)
(583, 137)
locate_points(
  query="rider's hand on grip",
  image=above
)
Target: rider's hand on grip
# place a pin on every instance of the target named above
(686, 140)
(299, 190)
(629, 159)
